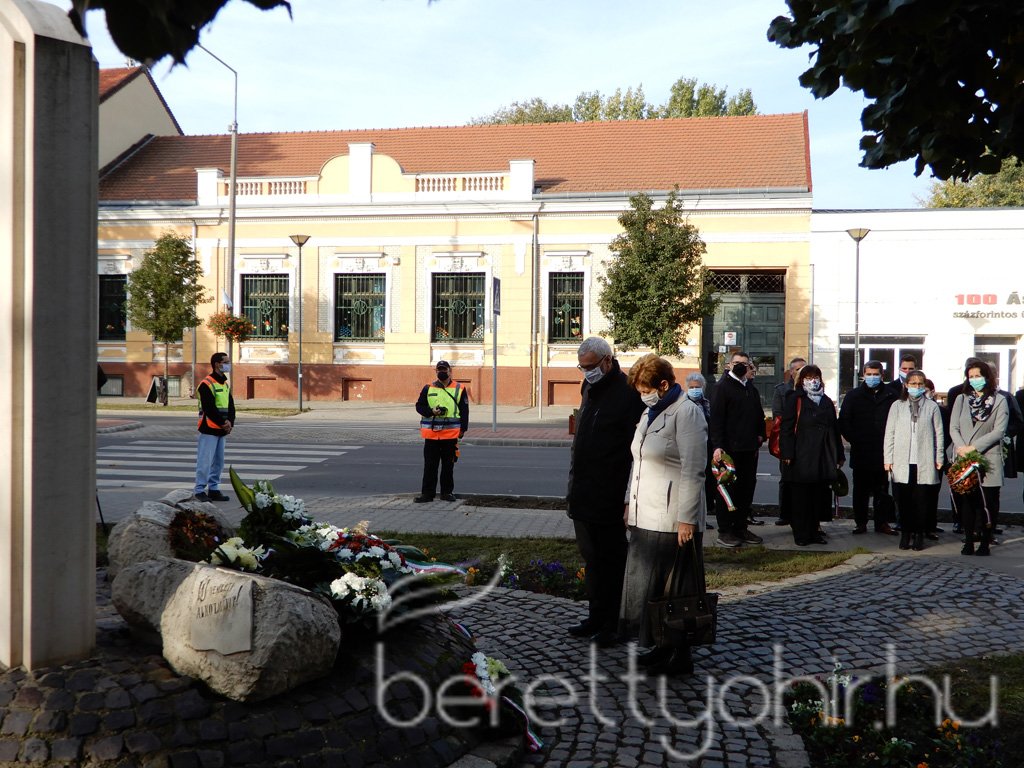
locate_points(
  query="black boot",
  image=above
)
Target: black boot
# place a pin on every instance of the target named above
(968, 548)
(918, 542)
(983, 550)
(654, 656)
(904, 539)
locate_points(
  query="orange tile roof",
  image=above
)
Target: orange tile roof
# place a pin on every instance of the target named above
(716, 153)
(113, 80)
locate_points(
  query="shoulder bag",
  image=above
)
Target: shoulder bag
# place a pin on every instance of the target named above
(678, 619)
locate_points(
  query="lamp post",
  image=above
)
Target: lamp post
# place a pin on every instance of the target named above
(232, 190)
(300, 240)
(857, 235)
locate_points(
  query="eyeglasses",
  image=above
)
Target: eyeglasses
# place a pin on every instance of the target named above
(586, 368)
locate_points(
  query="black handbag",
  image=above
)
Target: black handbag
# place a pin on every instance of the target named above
(678, 619)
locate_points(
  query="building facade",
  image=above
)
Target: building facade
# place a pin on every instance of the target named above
(414, 234)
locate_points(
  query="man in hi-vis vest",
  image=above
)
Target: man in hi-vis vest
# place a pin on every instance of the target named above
(444, 411)
(216, 420)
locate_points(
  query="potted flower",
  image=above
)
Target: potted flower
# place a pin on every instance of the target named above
(238, 328)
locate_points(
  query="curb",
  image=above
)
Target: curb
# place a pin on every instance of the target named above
(517, 441)
(123, 427)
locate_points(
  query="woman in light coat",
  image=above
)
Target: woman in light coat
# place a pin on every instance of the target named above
(913, 452)
(666, 506)
(977, 422)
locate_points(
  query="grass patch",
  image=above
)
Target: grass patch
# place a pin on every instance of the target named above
(724, 567)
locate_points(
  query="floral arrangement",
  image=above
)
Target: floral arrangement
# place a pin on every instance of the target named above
(838, 735)
(194, 535)
(236, 327)
(354, 569)
(967, 472)
(546, 578)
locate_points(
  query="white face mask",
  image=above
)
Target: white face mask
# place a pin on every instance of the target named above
(650, 399)
(594, 375)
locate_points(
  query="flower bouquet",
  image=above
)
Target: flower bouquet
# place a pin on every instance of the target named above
(236, 327)
(724, 472)
(967, 472)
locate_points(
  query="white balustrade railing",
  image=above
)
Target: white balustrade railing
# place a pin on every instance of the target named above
(287, 187)
(454, 183)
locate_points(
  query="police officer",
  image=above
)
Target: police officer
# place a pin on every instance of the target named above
(216, 420)
(444, 411)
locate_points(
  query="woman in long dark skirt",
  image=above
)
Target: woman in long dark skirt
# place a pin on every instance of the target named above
(811, 452)
(666, 507)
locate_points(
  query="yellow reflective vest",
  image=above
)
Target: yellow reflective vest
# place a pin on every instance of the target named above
(444, 427)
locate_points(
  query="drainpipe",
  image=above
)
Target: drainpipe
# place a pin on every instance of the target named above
(192, 383)
(534, 324)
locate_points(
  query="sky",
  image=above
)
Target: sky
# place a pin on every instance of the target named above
(344, 64)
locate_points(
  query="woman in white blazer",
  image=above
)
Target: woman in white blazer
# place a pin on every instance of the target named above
(977, 423)
(666, 506)
(914, 452)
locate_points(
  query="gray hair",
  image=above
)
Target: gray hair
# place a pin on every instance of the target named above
(695, 378)
(594, 344)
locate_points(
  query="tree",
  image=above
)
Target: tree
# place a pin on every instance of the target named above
(147, 30)
(997, 190)
(164, 290)
(656, 286)
(943, 76)
(686, 99)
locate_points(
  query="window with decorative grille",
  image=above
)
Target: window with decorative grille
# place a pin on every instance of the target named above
(748, 282)
(565, 306)
(458, 307)
(359, 302)
(113, 293)
(265, 303)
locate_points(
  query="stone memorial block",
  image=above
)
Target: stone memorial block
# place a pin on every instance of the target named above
(259, 636)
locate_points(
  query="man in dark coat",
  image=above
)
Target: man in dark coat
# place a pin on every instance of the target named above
(598, 476)
(862, 418)
(737, 428)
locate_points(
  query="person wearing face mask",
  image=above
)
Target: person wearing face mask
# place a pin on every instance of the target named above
(666, 506)
(444, 418)
(931, 527)
(812, 452)
(695, 392)
(598, 475)
(216, 420)
(737, 428)
(862, 418)
(977, 422)
(908, 363)
(914, 453)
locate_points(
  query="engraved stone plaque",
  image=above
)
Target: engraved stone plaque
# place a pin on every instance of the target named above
(221, 613)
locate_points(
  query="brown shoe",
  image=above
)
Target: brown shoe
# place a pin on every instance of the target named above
(884, 528)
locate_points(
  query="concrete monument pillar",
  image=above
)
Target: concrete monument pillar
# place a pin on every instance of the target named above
(48, 150)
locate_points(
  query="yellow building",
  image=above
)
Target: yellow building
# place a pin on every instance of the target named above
(410, 230)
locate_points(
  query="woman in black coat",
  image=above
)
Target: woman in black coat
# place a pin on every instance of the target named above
(811, 452)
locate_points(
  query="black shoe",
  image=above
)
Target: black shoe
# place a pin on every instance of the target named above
(754, 521)
(447, 497)
(932, 536)
(905, 540)
(606, 638)
(886, 529)
(679, 663)
(709, 527)
(217, 496)
(997, 531)
(897, 527)
(860, 529)
(936, 529)
(957, 528)
(780, 521)
(585, 628)
(968, 549)
(655, 656)
(918, 544)
(983, 550)
(201, 496)
(423, 499)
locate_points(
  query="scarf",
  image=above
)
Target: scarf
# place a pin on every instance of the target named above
(669, 397)
(915, 407)
(815, 397)
(981, 406)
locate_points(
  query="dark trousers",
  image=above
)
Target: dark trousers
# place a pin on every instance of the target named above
(976, 512)
(785, 497)
(603, 547)
(742, 492)
(871, 485)
(913, 501)
(808, 506)
(931, 516)
(438, 452)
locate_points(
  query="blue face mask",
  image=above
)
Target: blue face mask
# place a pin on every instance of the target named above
(872, 380)
(977, 384)
(695, 393)
(915, 392)
(812, 385)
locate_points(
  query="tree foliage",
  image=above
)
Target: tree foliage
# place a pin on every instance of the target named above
(996, 190)
(942, 76)
(148, 30)
(686, 99)
(657, 286)
(164, 290)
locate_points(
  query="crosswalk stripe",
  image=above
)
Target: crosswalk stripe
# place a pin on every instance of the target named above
(168, 484)
(110, 466)
(255, 447)
(186, 455)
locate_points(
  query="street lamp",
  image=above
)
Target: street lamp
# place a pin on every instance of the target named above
(857, 235)
(300, 240)
(232, 190)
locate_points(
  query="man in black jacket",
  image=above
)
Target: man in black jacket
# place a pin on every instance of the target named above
(737, 428)
(862, 418)
(598, 475)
